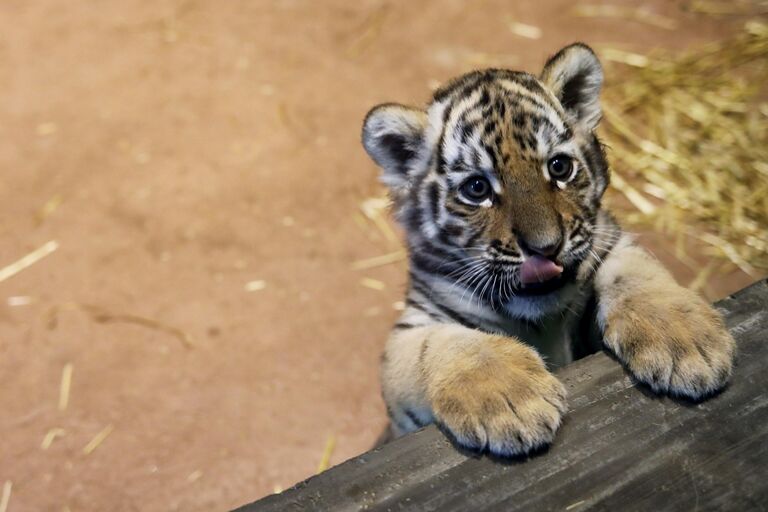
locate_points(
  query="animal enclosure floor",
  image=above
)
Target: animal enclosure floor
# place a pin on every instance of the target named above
(199, 333)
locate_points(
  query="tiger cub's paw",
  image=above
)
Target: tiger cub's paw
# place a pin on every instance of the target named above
(498, 401)
(678, 345)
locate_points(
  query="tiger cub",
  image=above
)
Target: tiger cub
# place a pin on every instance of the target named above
(498, 184)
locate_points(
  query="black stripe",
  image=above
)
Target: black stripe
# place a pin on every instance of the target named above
(393, 419)
(533, 143)
(400, 426)
(565, 136)
(521, 142)
(423, 353)
(492, 152)
(399, 326)
(434, 315)
(485, 97)
(437, 250)
(449, 233)
(579, 245)
(440, 156)
(501, 108)
(468, 129)
(412, 218)
(423, 289)
(489, 127)
(474, 238)
(459, 209)
(434, 199)
(431, 265)
(536, 102)
(413, 418)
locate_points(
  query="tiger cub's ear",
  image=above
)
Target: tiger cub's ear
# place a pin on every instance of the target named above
(575, 76)
(393, 135)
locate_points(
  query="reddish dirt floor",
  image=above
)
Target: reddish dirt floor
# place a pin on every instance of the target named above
(198, 164)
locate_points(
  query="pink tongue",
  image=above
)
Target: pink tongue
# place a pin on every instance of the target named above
(537, 269)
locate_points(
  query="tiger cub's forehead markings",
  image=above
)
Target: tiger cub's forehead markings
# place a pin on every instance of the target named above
(537, 97)
(470, 115)
(462, 141)
(454, 145)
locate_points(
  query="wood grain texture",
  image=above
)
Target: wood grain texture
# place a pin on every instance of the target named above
(620, 448)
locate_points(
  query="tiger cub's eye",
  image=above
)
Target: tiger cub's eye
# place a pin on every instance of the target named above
(476, 189)
(560, 167)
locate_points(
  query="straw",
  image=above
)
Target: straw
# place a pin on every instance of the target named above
(6, 498)
(378, 261)
(525, 30)
(28, 260)
(325, 460)
(373, 284)
(66, 383)
(47, 209)
(626, 13)
(19, 300)
(98, 439)
(689, 131)
(254, 286)
(375, 210)
(50, 436)
(728, 7)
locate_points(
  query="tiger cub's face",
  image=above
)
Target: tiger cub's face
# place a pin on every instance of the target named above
(499, 181)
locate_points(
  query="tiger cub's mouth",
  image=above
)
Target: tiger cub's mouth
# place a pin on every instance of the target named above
(540, 276)
(538, 269)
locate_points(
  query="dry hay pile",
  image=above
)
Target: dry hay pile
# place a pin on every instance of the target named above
(687, 139)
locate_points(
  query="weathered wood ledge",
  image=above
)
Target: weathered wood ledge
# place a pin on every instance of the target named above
(620, 448)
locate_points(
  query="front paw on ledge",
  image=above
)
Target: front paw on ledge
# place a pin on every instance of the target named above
(507, 414)
(682, 351)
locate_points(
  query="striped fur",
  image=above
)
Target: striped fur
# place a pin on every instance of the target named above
(503, 127)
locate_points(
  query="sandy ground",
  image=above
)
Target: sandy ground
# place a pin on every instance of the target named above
(183, 150)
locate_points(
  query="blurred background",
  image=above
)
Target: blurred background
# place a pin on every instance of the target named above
(197, 267)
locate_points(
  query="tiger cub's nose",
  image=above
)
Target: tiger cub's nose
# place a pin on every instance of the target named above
(547, 250)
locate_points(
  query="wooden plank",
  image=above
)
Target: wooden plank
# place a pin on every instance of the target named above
(620, 448)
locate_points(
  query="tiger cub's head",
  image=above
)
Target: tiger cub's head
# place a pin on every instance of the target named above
(499, 181)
